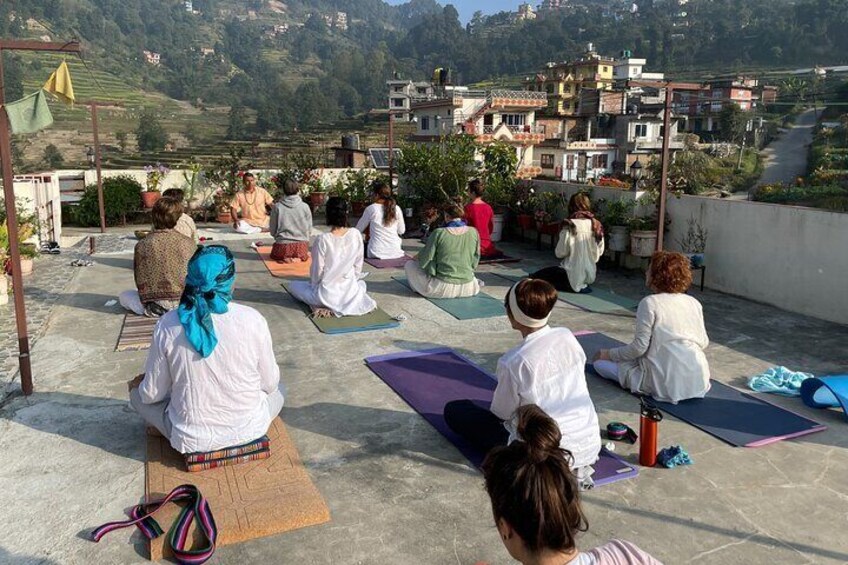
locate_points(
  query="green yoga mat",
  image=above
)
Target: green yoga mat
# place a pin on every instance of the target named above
(599, 300)
(480, 306)
(376, 320)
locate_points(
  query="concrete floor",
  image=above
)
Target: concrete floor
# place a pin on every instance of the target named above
(73, 452)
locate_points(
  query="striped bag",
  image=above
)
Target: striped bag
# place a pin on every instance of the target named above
(251, 451)
(141, 516)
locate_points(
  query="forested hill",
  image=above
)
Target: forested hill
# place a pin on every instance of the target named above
(312, 68)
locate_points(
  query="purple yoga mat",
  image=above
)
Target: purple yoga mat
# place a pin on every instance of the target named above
(389, 263)
(427, 380)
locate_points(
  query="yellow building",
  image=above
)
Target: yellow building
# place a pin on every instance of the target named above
(563, 81)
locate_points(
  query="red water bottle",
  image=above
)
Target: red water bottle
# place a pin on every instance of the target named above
(648, 434)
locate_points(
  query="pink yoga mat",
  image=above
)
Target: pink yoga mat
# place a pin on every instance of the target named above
(428, 380)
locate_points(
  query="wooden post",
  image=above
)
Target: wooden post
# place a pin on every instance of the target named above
(391, 150)
(100, 201)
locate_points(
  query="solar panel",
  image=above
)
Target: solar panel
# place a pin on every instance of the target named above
(380, 157)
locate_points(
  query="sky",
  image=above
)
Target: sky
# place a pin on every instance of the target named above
(466, 8)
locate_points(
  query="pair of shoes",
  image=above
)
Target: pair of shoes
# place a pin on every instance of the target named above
(81, 263)
(50, 247)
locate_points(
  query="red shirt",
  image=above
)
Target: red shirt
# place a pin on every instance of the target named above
(480, 216)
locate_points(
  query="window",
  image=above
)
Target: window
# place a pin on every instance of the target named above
(547, 161)
(513, 119)
(606, 70)
(600, 161)
(397, 102)
(640, 130)
(425, 123)
(398, 89)
(422, 90)
(569, 162)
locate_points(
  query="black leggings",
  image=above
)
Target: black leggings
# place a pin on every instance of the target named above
(477, 425)
(556, 276)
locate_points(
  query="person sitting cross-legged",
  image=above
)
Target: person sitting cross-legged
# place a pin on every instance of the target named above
(211, 380)
(546, 369)
(383, 221)
(445, 267)
(336, 287)
(160, 264)
(253, 202)
(291, 225)
(480, 216)
(666, 357)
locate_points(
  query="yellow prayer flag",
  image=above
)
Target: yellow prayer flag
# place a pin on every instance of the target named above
(59, 84)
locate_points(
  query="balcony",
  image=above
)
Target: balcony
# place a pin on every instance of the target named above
(526, 135)
(518, 99)
(656, 144)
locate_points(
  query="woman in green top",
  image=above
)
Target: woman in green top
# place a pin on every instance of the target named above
(445, 267)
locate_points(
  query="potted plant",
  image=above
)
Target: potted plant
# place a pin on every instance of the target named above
(28, 254)
(522, 205)
(616, 218)
(155, 175)
(546, 206)
(694, 243)
(643, 236)
(500, 167)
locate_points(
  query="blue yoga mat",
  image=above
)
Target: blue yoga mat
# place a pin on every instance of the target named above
(739, 418)
(826, 392)
(428, 380)
(480, 306)
(598, 300)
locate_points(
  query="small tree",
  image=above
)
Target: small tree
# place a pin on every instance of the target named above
(150, 134)
(732, 123)
(52, 157)
(500, 166)
(439, 173)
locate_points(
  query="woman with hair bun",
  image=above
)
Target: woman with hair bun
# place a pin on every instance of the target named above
(666, 357)
(383, 220)
(536, 503)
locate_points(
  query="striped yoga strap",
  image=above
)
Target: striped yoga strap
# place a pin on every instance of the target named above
(197, 507)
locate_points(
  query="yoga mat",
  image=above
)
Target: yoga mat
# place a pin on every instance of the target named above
(283, 270)
(739, 418)
(249, 501)
(826, 392)
(473, 308)
(376, 320)
(501, 259)
(599, 301)
(428, 380)
(389, 263)
(136, 333)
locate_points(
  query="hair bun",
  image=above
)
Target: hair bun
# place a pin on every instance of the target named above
(539, 432)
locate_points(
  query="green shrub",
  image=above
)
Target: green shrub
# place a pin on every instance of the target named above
(121, 197)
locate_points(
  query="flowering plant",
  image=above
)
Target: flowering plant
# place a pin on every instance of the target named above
(155, 175)
(545, 206)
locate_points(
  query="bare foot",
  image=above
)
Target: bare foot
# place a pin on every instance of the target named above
(295, 260)
(321, 312)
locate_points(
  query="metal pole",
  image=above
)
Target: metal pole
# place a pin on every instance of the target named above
(665, 163)
(97, 164)
(391, 150)
(14, 249)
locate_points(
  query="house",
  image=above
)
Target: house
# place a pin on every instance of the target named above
(152, 58)
(562, 82)
(337, 20)
(489, 115)
(628, 67)
(525, 13)
(401, 94)
(207, 51)
(639, 136)
(702, 105)
(189, 6)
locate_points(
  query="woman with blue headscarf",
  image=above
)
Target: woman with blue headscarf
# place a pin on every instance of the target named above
(211, 380)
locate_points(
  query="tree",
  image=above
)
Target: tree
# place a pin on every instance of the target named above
(732, 123)
(150, 135)
(237, 128)
(52, 158)
(439, 173)
(121, 136)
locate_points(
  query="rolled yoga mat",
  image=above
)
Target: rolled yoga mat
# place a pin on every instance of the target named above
(376, 320)
(428, 380)
(826, 392)
(599, 301)
(475, 307)
(136, 333)
(389, 263)
(739, 418)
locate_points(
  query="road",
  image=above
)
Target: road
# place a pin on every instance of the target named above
(786, 157)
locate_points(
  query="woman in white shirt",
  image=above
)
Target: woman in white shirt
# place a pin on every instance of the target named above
(547, 369)
(211, 380)
(383, 221)
(335, 287)
(666, 357)
(580, 246)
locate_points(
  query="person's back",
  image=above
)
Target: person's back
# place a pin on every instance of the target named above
(479, 216)
(187, 227)
(580, 250)
(384, 238)
(291, 220)
(451, 255)
(220, 400)
(160, 265)
(614, 552)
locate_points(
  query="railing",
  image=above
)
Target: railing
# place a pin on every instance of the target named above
(519, 95)
(488, 130)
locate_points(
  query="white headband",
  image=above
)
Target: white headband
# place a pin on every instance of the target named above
(520, 316)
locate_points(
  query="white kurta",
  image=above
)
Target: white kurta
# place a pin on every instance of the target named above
(335, 278)
(384, 241)
(666, 357)
(548, 369)
(219, 401)
(579, 251)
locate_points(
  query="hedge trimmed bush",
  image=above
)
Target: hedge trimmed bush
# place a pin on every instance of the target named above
(121, 197)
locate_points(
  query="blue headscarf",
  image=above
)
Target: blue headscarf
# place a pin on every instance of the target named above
(208, 290)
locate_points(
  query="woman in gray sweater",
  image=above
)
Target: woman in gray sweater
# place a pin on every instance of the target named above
(291, 225)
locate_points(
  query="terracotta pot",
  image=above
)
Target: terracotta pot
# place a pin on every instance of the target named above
(525, 221)
(547, 229)
(224, 217)
(148, 199)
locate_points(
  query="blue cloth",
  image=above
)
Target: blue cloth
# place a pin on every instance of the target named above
(779, 380)
(671, 457)
(208, 290)
(456, 224)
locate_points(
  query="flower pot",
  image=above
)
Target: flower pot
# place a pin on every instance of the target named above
(696, 259)
(618, 238)
(148, 199)
(497, 227)
(27, 265)
(224, 217)
(358, 208)
(525, 221)
(643, 243)
(316, 199)
(551, 228)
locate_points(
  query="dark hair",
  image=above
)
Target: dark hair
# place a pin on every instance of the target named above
(532, 487)
(535, 297)
(246, 176)
(337, 210)
(166, 213)
(476, 188)
(177, 194)
(291, 187)
(454, 210)
(670, 272)
(382, 190)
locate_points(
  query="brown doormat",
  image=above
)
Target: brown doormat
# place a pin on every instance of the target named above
(249, 501)
(283, 270)
(136, 333)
